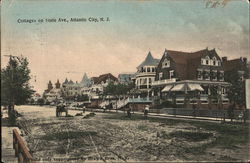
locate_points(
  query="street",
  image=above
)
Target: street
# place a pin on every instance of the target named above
(113, 137)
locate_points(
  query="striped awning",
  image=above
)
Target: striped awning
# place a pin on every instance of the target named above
(178, 87)
(167, 88)
(195, 87)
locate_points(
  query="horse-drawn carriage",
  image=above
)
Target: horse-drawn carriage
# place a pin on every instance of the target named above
(60, 109)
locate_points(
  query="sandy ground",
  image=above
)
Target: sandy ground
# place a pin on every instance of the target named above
(106, 138)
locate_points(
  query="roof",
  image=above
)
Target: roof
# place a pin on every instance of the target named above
(104, 78)
(66, 81)
(85, 81)
(70, 82)
(149, 61)
(188, 62)
(235, 64)
(183, 57)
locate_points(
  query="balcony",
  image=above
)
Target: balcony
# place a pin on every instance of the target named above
(162, 82)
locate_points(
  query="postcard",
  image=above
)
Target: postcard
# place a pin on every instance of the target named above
(125, 81)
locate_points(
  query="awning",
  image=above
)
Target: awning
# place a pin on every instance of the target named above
(195, 87)
(178, 87)
(167, 88)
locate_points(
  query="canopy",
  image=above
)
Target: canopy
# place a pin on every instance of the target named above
(167, 88)
(194, 87)
(178, 87)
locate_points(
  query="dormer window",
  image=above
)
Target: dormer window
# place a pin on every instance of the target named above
(214, 61)
(166, 63)
(207, 60)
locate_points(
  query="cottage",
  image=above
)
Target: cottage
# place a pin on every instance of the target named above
(184, 79)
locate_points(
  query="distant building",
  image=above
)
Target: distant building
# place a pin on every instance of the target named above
(191, 78)
(98, 84)
(145, 75)
(126, 78)
(86, 82)
(53, 94)
(235, 69)
(71, 89)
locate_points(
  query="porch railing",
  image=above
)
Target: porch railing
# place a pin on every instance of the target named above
(21, 151)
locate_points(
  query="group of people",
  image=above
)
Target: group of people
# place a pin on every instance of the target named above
(146, 111)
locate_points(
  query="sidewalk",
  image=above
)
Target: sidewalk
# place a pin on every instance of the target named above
(170, 116)
(8, 153)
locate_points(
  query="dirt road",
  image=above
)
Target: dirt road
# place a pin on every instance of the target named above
(111, 137)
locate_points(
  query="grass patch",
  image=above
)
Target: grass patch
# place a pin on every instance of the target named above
(191, 136)
(229, 135)
(68, 135)
(142, 127)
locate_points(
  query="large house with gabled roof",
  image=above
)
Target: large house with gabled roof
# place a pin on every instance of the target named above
(191, 78)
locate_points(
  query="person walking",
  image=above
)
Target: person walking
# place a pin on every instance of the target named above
(129, 112)
(146, 111)
(84, 109)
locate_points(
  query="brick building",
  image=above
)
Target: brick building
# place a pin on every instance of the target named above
(184, 79)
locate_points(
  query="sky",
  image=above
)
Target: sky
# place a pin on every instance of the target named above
(57, 50)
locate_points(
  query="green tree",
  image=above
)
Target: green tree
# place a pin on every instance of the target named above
(236, 92)
(117, 89)
(15, 88)
(40, 101)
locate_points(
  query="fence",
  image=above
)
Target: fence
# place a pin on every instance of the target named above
(21, 150)
(215, 113)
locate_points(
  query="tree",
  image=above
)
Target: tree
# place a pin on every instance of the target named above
(40, 101)
(236, 92)
(15, 88)
(117, 89)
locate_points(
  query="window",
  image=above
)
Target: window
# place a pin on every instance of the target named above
(160, 75)
(221, 75)
(214, 75)
(207, 60)
(204, 101)
(153, 69)
(214, 101)
(206, 75)
(214, 61)
(166, 63)
(179, 102)
(144, 81)
(199, 74)
(149, 80)
(193, 101)
(171, 74)
(223, 91)
(148, 69)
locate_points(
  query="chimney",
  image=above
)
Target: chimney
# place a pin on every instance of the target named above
(224, 59)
